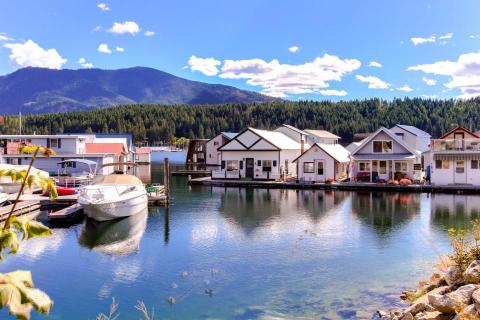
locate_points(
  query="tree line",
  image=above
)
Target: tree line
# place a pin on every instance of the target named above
(153, 123)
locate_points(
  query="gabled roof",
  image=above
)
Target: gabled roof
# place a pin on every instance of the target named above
(413, 130)
(322, 134)
(393, 136)
(229, 135)
(294, 129)
(461, 129)
(335, 151)
(277, 139)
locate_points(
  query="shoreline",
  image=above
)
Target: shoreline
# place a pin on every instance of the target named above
(341, 186)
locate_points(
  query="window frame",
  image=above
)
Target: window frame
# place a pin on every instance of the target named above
(382, 146)
(366, 164)
(266, 167)
(232, 168)
(476, 166)
(309, 163)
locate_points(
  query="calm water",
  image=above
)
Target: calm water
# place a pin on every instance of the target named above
(263, 253)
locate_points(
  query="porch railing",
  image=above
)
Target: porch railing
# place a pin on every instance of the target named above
(439, 145)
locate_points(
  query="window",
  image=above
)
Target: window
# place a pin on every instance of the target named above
(383, 167)
(460, 166)
(223, 164)
(442, 164)
(401, 166)
(364, 166)
(216, 143)
(232, 165)
(474, 164)
(54, 143)
(308, 167)
(381, 146)
(400, 135)
(200, 156)
(320, 168)
(274, 163)
(210, 156)
(259, 163)
(267, 165)
(241, 165)
(198, 147)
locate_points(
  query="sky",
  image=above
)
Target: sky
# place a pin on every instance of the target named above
(316, 49)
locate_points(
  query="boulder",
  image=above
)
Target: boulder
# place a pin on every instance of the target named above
(433, 315)
(454, 276)
(472, 274)
(476, 298)
(416, 308)
(407, 316)
(449, 302)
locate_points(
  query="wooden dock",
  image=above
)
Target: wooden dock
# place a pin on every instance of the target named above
(22, 208)
(69, 213)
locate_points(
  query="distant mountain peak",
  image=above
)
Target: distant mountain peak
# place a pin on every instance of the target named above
(40, 90)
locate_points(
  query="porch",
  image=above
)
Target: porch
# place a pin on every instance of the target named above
(381, 168)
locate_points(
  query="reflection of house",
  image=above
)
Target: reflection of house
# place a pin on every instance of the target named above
(196, 152)
(455, 158)
(323, 161)
(454, 210)
(261, 154)
(213, 155)
(143, 155)
(384, 156)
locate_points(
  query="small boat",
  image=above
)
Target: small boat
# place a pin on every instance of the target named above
(62, 191)
(113, 196)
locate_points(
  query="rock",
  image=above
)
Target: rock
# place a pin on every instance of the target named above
(472, 274)
(434, 315)
(467, 313)
(416, 308)
(454, 276)
(439, 290)
(396, 314)
(459, 298)
(407, 316)
(476, 298)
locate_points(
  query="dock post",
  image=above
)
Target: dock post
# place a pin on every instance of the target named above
(166, 179)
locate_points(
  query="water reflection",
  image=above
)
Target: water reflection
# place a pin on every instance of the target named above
(385, 211)
(454, 210)
(116, 237)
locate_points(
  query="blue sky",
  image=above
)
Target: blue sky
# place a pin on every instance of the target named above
(415, 48)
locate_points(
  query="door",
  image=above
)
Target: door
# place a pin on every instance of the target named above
(458, 138)
(460, 172)
(249, 167)
(320, 170)
(382, 170)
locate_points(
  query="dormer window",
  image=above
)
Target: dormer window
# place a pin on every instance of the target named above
(382, 146)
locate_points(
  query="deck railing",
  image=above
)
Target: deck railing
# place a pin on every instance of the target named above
(454, 145)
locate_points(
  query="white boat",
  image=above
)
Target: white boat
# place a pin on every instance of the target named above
(6, 183)
(113, 196)
(3, 198)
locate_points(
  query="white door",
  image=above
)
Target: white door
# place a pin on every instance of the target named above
(382, 170)
(320, 170)
(460, 172)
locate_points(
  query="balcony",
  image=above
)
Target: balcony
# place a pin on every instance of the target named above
(455, 145)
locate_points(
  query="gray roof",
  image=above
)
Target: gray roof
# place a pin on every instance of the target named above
(322, 134)
(413, 130)
(230, 135)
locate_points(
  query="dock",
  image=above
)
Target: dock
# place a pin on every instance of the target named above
(22, 208)
(192, 173)
(346, 186)
(69, 213)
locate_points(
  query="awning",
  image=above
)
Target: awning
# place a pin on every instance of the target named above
(458, 156)
(384, 156)
(84, 161)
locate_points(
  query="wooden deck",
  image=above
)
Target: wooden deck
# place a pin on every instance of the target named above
(347, 186)
(22, 208)
(68, 213)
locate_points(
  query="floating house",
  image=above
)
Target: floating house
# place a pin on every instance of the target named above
(455, 158)
(261, 154)
(213, 155)
(196, 152)
(384, 156)
(323, 162)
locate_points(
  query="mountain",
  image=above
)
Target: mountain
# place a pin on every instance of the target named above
(39, 90)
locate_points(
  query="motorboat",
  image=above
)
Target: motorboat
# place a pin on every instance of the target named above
(117, 237)
(113, 196)
(74, 173)
(9, 186)
(3, 198)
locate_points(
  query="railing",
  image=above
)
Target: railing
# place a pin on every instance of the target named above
(439, 145)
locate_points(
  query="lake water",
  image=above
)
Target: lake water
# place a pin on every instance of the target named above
(247, 254)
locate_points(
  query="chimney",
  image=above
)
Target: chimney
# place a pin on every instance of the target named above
(302, 146)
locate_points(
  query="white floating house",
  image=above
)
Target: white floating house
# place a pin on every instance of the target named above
(261, 154)
(323, 162)
(384, 155)
(213, 155)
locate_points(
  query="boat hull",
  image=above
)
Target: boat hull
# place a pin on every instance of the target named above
(114, 210)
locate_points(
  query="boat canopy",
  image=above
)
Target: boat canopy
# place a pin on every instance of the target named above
(92, 165)
(121, 179)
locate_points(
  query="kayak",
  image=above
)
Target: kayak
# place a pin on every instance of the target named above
(62, 191)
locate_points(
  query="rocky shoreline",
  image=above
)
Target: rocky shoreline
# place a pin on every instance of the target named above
(451, 295)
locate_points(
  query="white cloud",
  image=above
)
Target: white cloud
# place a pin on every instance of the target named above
(429, 82)
(207, 66)
(119, 49)
(474, 36)
(149, 33)
(30, 54)
(432, 38)
(464, 73)
(83, 62)
(405, 88)
(279, 80)
(103, 6)
(373, 82)
(126, 27)
(103, 48)
(5, 37)
(97, 28)
(328, 92)
(446, 36)
(375, 64)
(293, 49)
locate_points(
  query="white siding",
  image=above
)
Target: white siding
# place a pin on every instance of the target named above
(396, 147)
(315, 155)
(248, 138)
(212, 150)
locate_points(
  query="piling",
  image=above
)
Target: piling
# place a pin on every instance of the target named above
(166, 179)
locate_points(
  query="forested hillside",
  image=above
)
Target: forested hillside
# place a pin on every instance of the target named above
(161, 122)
